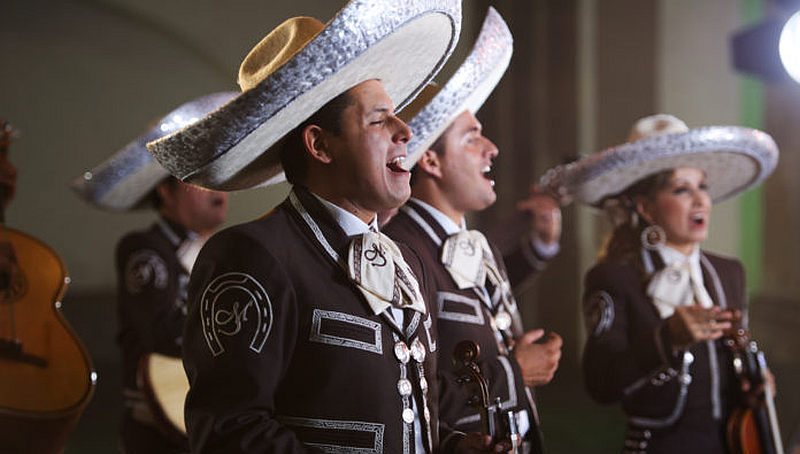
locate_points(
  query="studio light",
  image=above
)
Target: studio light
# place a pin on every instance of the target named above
(755, 50)
(770, 48)
(789, 46)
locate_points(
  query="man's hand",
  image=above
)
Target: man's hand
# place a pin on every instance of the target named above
(475, 443)
(538, 361)
(690, 324)
(545, 215)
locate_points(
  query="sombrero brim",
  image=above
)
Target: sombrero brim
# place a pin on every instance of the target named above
(123, 181)
(733, 158)
(467, 90)
(403, 44)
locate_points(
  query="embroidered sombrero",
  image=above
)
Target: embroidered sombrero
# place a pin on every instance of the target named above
(434, 109)
(734, 159)
(298, 68)
(123, 181)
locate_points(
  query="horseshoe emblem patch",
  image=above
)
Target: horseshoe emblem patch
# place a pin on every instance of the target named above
(598, 313)
(145, 269)
(235, 304)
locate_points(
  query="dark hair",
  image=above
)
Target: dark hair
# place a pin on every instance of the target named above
(625, 240)
(292, 150)
(437, 146)
(154, 199)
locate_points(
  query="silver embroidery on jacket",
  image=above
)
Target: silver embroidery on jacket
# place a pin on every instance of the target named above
(318, 333)
(475, 316)
(145, 268)
(235, 304)
(333, 425)
(598, 313)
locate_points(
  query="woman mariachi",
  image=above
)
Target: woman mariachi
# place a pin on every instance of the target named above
(655, 305)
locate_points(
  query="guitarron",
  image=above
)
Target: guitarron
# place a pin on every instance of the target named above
(46, 376)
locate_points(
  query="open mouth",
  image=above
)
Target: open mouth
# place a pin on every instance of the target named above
(486, 172)
(396, 165)
(698, 220)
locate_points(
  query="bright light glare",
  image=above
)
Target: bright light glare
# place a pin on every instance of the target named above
(789, 46)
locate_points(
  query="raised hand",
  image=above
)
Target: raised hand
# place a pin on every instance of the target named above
(690, 324)
(538, 360)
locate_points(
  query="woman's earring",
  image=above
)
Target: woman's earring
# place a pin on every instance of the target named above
(652, 237)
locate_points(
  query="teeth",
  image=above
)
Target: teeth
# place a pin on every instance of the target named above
(398, 160)
(491, 182)
(487, 169)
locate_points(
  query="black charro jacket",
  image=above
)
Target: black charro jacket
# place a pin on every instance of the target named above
(283, 353)
(674, 402)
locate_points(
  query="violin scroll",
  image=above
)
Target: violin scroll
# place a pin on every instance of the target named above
(500, 425)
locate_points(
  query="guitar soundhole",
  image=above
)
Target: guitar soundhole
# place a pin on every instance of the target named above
(17, 290)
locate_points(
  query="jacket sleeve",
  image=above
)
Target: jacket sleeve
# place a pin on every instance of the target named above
(614, 362)
(522, 263)
(238, 342)
(148, 294)
(523, 257)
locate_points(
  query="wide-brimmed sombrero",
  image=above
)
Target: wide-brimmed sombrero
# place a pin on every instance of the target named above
(123, 181)
(435, 108)
(734, 159)
(298, 68)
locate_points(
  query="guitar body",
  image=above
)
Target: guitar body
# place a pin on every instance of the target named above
(46, 375)
(165, 386)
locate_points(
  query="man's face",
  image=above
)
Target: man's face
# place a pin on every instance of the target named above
(366, 157)
(465, 164)
(197, 209)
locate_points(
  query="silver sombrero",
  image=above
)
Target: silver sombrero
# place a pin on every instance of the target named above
(734, 159)
(123, 181)
(402, 43)
(467, 89)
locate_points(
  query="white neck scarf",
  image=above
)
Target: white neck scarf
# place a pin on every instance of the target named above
(469, 260)
(189, 250)
(376, 265)
(679, 283)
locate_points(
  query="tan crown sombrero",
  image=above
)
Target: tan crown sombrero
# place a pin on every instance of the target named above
(298, 68)
(734, 159)
(434, 109)
(123, 181)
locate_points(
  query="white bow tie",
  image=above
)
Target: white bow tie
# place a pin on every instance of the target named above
(675, 286)
(376, 265)
(469, 260)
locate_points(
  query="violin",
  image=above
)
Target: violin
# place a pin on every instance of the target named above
(46, 376)
(498, 424)
(752, 427)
